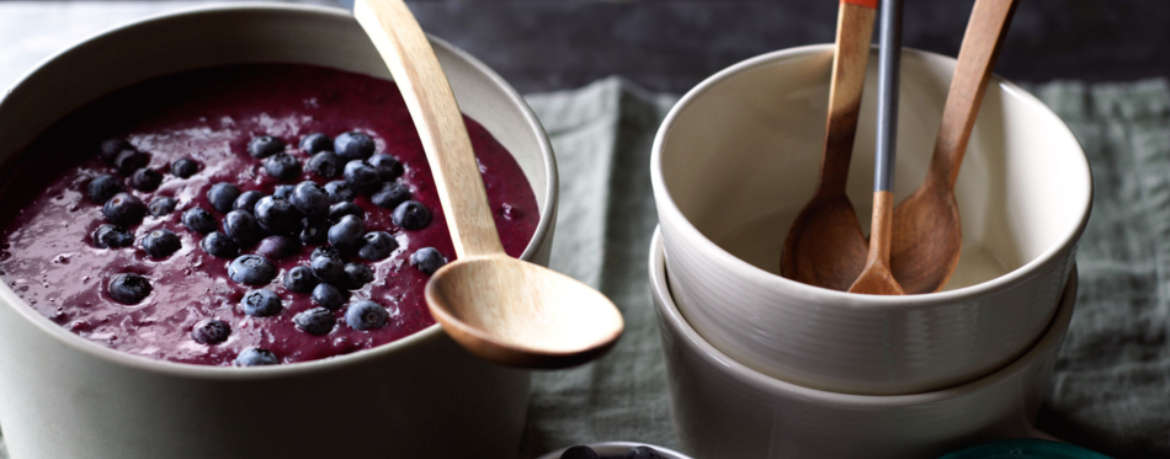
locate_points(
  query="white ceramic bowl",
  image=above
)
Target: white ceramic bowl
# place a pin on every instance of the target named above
(62, 396)
(618, 448)
(738, 157)
(726, 410)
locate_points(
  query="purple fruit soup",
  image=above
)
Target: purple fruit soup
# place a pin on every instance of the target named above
(75, 263)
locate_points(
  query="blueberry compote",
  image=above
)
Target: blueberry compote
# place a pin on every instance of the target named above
(112, 263)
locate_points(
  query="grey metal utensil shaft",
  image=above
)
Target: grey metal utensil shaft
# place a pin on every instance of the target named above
(889, 61)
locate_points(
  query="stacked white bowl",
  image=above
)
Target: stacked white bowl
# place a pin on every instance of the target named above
(737, 158)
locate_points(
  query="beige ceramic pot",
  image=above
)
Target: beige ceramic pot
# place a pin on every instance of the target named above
(62, 396)
(724, 409)
(737, 158)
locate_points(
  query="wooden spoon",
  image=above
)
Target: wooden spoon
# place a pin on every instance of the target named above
(876, 279)
(502, 309)
(825, 245)
(930, 237)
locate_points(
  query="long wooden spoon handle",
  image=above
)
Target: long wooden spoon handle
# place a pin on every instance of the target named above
(436, 115)
(981, 45)
(854, 33)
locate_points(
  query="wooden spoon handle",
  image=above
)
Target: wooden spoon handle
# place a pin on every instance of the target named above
(981, 45)
(436, 115)
(854, 33)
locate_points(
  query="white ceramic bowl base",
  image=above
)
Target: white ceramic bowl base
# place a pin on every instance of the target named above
(64, 397)
(738, 157)
(723, 409)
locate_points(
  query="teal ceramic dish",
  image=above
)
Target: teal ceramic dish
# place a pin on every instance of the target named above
(1025, 449)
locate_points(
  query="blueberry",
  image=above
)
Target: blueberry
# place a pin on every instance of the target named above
(243, 228)
(162, 205)
(357, 276)
(124, 209)
(428, 260)
(129, 288)
(328, 297)
(361, 177)
(316, 321)
(341, 209)
(391, 195)
(411, 215)
(377, 245)
(353, 145)
(278, 216)
(346, 234)
(328, 269)
(129, 161)
(300, 279)
(161, 243)
(310, 199)
(251, 270)
(339, 191)
(316, 143)
(247, 201)
(326, 164)
(388, 167)
(264, 146)
(325, 252)
(254, 357)
(200, 221)
(366, 315)
(580, 452)
(146, 179)
(283, 167)
(283, 192)
(222, 196)
(110, 236)
(278, 247)
(219, 245)
(314, 231)
(109, 149)
(261, 303)
(211, 331)
(642, 452)
(184, 167)
(104, 187)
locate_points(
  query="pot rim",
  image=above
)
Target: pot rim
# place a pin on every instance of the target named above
(419, 338)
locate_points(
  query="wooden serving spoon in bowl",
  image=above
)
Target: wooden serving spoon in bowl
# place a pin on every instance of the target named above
(502, 309)
(825, 245)
(877, 279)
(926, 248)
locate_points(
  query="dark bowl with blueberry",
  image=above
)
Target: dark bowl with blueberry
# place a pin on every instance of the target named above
(215, 226)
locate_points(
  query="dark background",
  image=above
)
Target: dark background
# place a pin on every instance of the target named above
(670, 45)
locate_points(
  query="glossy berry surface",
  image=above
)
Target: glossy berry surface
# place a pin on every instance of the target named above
(199, 220)
(366, 315)
(357, 276)
(124, 209)
(326, 165)
(377, 245)
(316, 321)
(316, 142)
(161, 243)
(315, 230)
(211, 332)
(146, 179)
(264, 146)
(391, 195)
(428, 260)
(278, 216)
(328, 269)
(283, 192)
(580, 452)
(219, 245)
(361, 177)
(283, 167)
(242, 228)
(346, 234)
(129, 288)
(328, 296)
(254, 357)
(339, 191)
(300, 279)
(129, 161)
(112, 237)
(222, 196)
(251, 270)
(161, 205)
(261, 303)
(184, 167)
(388, 167)
(325, 252)
(247, 201)
(104, 187)
(310, 199)
(344, 208)
(412, 215)
(353, 145)
(278, 247)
